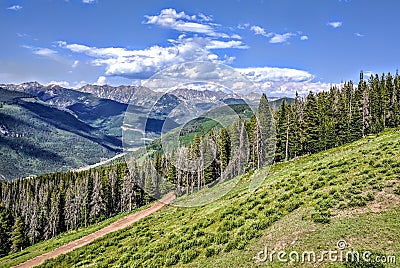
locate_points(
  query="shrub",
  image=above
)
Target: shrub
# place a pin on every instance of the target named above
(270, 211)
(318, 184)
(369, 197)
(250, 215)
(293, 205)
(337, 196)
(321, 216)
(171, 258)
(226, 225)
(198, 233)
(210, 251)
(284, 197)
(221, 238)
(378, 187)
(188, 255)
(357, 201)
(342, 205)
(325, 203)
(397, 190)
(231, 245)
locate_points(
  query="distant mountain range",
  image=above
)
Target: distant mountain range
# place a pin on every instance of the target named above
(39, 122)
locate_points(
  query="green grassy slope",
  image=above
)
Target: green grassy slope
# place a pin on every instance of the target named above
(350, 192)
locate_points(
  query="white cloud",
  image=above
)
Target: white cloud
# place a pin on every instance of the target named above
(359, 35)
(302, 88)
(304, 37)
(14, 7)
(260, 74)
(283, 81)
(180, 21)
(59, 83)
(143, 63)
(243, 26)
(236, 36)
(205, 17)
(88, 1)
(198, 39)
(260, 31)
(216, 44)
(335, 24)
(22, 35)
(42, 51)
(280, 38)
(101, 81)
(257, 30)
(75, 64)
(368, 73)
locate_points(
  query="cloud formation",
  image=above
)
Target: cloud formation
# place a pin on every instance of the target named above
(258, 30)
(101, 81)
(75, 64)
(143, 63)
(280, 38)
(14, 7)
(274, 38)
(59, 83)
(42, 51)
(283, 81)
(335, 24)
(198, 39)
(180, 21)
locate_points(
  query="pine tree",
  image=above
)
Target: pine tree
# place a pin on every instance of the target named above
(18, 235)
(365, 107)
(390, 97)
(265, 133)
(282, 132)
(5, 231)
(251, 131)
(356, 120)
(97, 206)
(311, 127)
(224, 147)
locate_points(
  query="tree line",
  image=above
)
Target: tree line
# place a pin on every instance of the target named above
(329, 119)
(39, 208)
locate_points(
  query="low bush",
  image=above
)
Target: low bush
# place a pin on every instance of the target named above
(189, 255)
(321, 216)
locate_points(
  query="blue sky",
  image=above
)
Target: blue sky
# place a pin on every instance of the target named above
(283, 46)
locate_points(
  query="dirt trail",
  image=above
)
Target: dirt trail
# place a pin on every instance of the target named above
(115, 226)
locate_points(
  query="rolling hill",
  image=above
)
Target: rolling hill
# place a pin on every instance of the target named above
(349, 193)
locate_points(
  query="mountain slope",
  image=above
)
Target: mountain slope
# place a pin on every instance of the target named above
(36, 138)
(339, 192)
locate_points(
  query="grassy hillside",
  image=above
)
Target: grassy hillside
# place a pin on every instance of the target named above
(350, 192)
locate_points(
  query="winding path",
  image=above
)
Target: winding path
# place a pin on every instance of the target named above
(115, 226)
